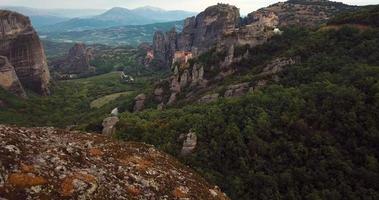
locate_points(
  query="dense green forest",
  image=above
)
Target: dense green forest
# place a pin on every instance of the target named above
(312, 135)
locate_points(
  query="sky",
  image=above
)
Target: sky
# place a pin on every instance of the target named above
(246, 6)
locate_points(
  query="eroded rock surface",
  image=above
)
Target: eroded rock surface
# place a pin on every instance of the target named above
(9, 79)
(20, 44)
(47, 163)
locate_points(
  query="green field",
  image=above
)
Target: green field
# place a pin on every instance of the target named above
(98, 103)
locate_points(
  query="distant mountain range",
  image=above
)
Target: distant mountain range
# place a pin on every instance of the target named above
(64, 20)
(45, 17)
(119, 35)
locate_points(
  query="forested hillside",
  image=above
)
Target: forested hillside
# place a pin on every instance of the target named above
(312, 135)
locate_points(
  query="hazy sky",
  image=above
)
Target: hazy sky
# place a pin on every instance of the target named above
(246, 6)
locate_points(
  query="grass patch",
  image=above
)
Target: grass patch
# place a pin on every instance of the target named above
(100, 102)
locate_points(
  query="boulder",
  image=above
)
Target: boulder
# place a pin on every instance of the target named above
(189, 143)
(109, 124)
(21, 45)
(139, 103)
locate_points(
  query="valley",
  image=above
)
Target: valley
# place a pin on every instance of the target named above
(282, 103)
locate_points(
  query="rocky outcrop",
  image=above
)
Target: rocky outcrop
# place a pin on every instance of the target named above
(254, 33)
(309, 13)
(21, 45)
(209, 98)
(109, 125)
(139, 102)
(237, 90)
(8, 78)
(48, 163)
(77, 61)
(277, 65)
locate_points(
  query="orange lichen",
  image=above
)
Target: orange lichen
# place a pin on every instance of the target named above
(178, 193)
(140, 163)
(95, 152)
(67, 186)
(27, 168)
(132, 190)
(23, 180)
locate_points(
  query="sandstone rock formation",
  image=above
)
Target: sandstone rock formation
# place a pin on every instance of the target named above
(204, 31)
(109, 125)
(8, 78)
(48, 163)
(199, 34)
(220, 31)
(77, 60)
(21, 45)
(217, 27)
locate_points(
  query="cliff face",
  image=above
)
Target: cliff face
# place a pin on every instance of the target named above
(20, 43)
(198, 35)
(218, 26)
(206, 29)
(77, 60)
(47, 163)
(8, 78)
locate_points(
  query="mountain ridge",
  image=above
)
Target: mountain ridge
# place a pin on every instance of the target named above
(119, 16)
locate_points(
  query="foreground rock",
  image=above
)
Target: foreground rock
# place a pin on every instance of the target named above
(109, 125)
(47, 163)
(20, 44)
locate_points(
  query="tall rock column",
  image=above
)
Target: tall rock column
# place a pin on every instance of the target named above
(20, 43)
